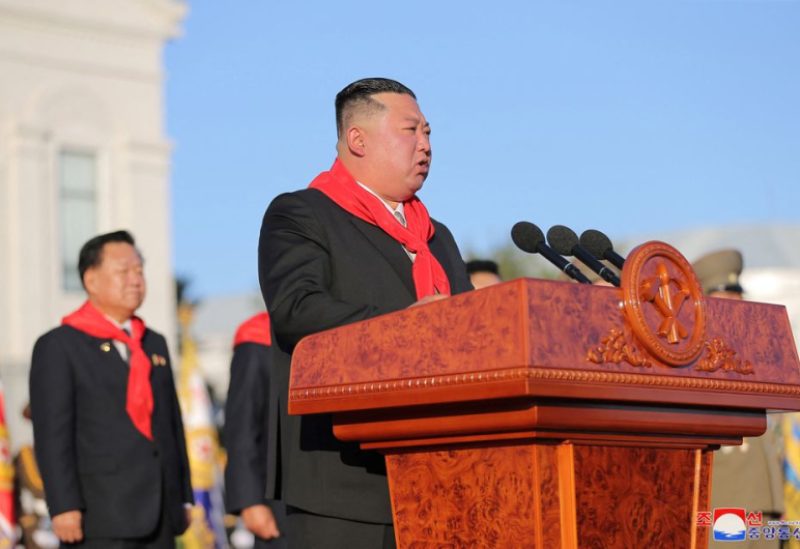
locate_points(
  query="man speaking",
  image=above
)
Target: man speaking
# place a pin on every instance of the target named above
(356, 244)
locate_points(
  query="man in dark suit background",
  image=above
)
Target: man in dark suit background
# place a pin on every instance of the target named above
(357, 244)
(251, 435)
(483, 273)
(107, 425)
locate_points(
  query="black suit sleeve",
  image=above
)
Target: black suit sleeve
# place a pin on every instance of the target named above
(246, 428)
(294, 267)
(52, 395)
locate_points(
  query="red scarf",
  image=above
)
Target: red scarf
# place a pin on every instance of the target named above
(338, 185)
(139, 404)
(254, 330)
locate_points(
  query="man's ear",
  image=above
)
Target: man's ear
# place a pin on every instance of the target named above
(356, 141)
(90, 280)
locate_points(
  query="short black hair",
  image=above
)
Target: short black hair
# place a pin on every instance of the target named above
(482, 266)
(360, 92)
(91, 254)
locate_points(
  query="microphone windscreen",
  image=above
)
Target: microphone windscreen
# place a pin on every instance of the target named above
(596, 242)
(562, 239)
(527, 236)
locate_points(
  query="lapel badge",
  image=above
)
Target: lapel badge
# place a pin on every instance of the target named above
(158, 360)
(105, 346)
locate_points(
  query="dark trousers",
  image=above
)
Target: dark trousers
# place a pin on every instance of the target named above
(311, 531)
(163, 537)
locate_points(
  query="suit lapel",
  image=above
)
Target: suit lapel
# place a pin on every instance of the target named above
(390, 249)
(439, 251)
(103, 362)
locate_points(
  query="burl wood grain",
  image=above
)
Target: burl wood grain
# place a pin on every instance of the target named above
(549, 511)
(481, 498)
(634, 497)
(478, 331)
(549, 495)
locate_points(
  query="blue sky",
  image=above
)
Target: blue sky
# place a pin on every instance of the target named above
(630, 117)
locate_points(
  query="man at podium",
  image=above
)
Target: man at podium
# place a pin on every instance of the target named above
(357, 244)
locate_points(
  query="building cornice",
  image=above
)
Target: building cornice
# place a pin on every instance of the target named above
(161, 19)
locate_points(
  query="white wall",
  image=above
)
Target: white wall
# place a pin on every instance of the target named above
(82, 75)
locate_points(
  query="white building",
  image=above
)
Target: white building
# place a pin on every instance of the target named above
(83, 150)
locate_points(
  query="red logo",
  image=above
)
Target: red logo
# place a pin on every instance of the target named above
(704, 518)
(755, 519)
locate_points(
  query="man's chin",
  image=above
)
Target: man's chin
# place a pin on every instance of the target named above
(417, 185)
(134, 304)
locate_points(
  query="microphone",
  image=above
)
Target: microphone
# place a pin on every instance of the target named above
(565, 242)
(529, 238)
(599, 245)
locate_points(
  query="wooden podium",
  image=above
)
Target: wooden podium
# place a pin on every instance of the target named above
(549, 414)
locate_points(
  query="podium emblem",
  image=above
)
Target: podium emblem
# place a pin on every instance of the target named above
(663, 303)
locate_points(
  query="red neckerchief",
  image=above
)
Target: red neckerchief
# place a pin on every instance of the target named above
(254, 330)
(139, 403)
(338, 185)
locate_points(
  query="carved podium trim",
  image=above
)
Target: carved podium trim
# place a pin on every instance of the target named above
(719, 356)
(543, 374)
(617, 347)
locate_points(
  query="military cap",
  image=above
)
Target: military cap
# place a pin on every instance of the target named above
(719, 271)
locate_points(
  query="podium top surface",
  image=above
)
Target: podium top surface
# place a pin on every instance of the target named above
(546, 339)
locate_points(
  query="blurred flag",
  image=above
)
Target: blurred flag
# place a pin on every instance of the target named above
(7, 522)
(207, 529)
(791, 469)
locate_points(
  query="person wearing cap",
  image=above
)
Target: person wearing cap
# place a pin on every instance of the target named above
(719, 273)
(483, 273)
(749, 475)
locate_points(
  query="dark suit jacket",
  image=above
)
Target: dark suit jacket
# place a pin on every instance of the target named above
(91, 456)
(251, 435)
(319, 268)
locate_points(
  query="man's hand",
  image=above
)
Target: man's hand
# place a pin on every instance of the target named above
(260, 521)
(429, 299)
(67, 526)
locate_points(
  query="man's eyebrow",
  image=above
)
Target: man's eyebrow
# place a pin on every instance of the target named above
(416, 120)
